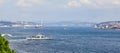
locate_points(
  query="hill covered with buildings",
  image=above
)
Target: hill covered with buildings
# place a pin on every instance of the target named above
(108, 25)
(17, 24)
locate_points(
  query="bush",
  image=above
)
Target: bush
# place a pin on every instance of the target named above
(4, 46)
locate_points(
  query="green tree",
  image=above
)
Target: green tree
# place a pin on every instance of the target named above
(4, 46)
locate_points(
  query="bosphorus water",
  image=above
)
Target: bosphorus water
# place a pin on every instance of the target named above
(65, 40)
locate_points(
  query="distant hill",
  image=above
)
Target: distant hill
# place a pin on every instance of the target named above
(23, 23)
(16, 23)
(6, 23)
(108, 25)
(69, 24)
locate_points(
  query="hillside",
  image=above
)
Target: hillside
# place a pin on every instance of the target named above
(4, 46)
(16, 23)
(108, 25)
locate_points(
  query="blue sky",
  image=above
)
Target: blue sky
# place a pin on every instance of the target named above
(60, 10)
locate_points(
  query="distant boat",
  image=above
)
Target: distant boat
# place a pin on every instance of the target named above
(38, 37)
(38, 26)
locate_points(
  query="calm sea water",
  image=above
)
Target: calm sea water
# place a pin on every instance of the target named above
(65, 40)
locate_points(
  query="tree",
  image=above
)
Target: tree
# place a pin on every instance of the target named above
(4, 46)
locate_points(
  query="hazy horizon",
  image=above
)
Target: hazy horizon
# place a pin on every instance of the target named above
(60, 10)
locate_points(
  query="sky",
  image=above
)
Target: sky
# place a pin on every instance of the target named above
(60, 10)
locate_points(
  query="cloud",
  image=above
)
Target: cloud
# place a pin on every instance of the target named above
(85, 2)
(29, 3)
(73, 3)
(107, 3)
(94, 3)
(1, 1)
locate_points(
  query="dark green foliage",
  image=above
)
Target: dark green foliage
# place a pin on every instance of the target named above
(4, 46)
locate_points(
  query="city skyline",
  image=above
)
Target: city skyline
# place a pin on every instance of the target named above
(60, 10)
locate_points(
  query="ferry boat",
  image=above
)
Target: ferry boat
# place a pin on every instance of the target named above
(38, 37)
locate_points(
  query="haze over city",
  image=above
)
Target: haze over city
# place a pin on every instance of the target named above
(60, 10)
